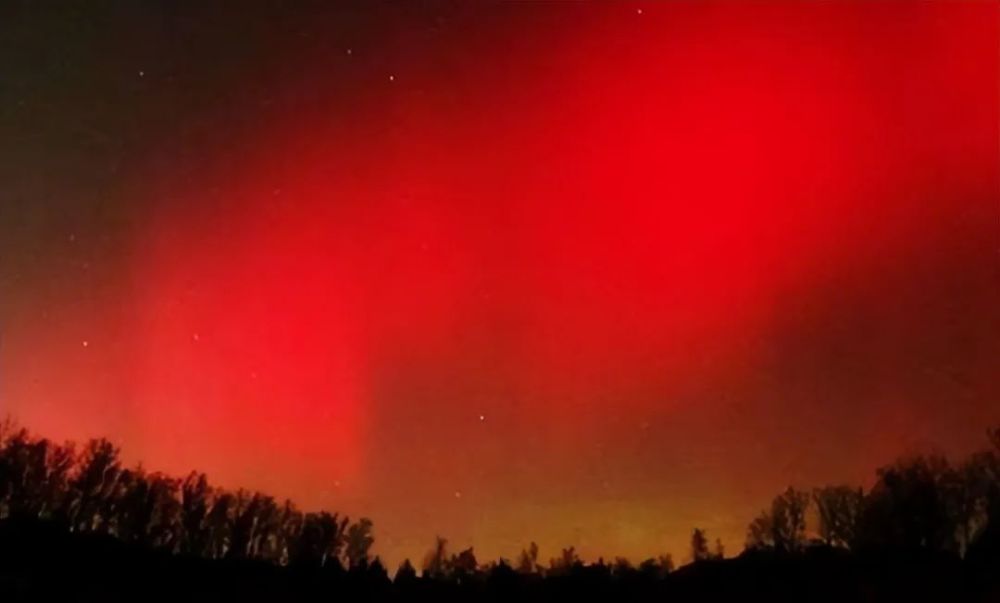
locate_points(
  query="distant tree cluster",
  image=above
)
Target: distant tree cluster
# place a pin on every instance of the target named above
(920, 502)
(90, 491)
(700, 550)
(440, 565)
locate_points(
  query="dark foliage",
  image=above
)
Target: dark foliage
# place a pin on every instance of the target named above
(91, 493)
(78, 526)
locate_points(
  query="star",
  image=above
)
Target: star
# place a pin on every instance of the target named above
(638, 11)
(392, 78)
(482, 418)
(458, 494)
(350, 51)
(142, 73)
(86, 343)
(196, 337)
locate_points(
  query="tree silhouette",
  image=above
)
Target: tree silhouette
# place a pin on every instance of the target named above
(218, 524)
(719, 552)
(527, 563)
(760, 532)
(319, 540)
(621, 566)
(783, 527)
(93, 492)
(288, 531)
(839, 509)
(908, 506)
(464, 564)
(983, 472)
(149, 510)
(406, 574)
(566, 561)
(966, 499)
(241, 527)
(195, 501)
(375, 576)
(658, 568)
(359, 541)
(699, 545)
(35, 474)
(94, 485)
(436, 561)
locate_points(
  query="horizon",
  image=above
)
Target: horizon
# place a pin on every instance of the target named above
(812, 530)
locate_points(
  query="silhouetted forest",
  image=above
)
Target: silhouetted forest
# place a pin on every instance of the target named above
(77, 525)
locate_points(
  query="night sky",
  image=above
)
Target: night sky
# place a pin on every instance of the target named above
(585, 274)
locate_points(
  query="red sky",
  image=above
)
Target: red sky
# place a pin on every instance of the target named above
(586, 274)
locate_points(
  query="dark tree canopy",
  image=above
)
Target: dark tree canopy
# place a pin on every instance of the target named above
(922, 510)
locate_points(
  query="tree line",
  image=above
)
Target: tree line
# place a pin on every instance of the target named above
(917, 502)
(89, 490)
(925, 504)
